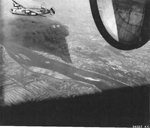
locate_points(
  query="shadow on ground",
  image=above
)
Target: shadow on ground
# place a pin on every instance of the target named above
(120, 107)
(41, 34)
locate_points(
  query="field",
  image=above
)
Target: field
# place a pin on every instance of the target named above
(64, 55)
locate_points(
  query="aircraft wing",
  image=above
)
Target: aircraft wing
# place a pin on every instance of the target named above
(19, 5)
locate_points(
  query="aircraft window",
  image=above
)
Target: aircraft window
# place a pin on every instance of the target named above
(122, 23)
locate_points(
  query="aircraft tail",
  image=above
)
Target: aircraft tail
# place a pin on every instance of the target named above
(52, 11)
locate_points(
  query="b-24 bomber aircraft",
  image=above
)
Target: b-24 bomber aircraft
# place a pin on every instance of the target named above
(19, 9)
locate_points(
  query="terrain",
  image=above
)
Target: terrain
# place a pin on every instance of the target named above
(64, 55)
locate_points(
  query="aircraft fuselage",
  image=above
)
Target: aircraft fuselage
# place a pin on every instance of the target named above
(22, 11)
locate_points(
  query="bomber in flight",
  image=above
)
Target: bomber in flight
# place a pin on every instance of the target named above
(19, 9)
